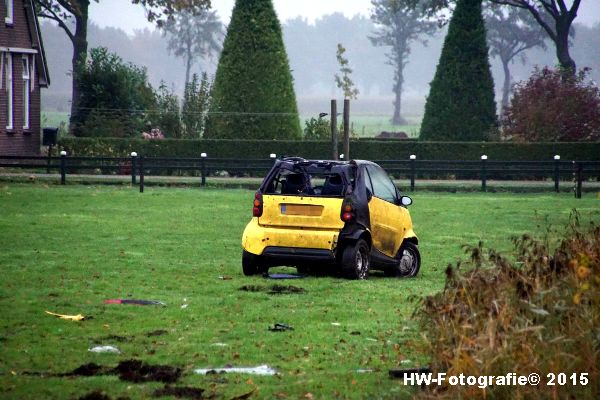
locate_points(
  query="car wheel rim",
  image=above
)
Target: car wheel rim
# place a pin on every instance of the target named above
(407, 263)
(362, 263)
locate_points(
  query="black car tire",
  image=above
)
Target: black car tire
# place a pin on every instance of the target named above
(356, 260)
(251, 264)
(409, 261)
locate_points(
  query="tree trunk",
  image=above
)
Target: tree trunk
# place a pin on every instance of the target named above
(567, 64)
(506, 86)
(80, 47)
(398, 83)
(189, 59)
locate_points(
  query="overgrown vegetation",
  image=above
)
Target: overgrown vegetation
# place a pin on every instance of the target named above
(553, 107)
(536, 313)
(253, 94)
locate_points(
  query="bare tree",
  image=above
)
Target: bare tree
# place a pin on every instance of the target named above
(72, 17)
(194, 35)
(510, 32)
(554, 16)
(399, 24)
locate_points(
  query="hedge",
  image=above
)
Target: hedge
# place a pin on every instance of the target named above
(360, 149)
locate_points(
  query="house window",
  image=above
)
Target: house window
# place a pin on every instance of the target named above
(9, 12)
(9, 90)
(26, 89)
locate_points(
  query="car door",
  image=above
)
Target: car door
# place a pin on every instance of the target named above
(385, 215)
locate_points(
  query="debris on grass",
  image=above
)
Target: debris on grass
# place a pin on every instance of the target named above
(104, 349)
(273, 289)
(135, 302)
(219, 344)
(77, 317)
(116, 338)
(285, 276)
(180, 392)
(225, 278)
(336, 324)
(279, 327)
(263, 370)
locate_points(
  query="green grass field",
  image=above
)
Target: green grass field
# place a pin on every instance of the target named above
(67, 249)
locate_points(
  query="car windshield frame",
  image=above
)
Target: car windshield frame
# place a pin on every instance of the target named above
(310, 179)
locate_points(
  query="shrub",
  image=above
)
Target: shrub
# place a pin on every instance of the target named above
(115, 97)
(253, 95)
(537, 314)
(461, 105)
(552, 107)
(166, 117)
(196, 102)
(317, 129)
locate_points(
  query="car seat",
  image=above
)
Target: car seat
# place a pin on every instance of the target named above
(333, 186)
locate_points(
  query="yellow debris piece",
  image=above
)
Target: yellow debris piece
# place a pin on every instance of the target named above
(77, 317)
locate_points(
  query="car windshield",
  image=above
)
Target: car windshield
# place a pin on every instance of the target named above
(307, 182)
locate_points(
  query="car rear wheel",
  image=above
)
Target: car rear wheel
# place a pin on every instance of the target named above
(251, 264)
(356, 260)
(409, 261)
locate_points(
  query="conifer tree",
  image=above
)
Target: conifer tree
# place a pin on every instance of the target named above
(461, 105)
(253, 95)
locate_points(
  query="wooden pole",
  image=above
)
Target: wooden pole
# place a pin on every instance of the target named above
(334, 135)
(346, 129)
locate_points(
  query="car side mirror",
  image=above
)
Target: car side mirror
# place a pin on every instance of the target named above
(405, 201)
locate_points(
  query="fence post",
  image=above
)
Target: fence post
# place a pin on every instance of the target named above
(133, 167)
(63, 167)
(49, 158)
(141, 174)
(579, 179)
(483, 172)
(413, 171)
(341, 156)
(203, 171)
(556, 172)
(273, 158)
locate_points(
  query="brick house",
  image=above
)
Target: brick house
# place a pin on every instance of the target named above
(23, 71)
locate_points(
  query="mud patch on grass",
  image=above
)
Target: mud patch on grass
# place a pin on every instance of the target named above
(158, 332)
(114, 338)
(180, 392)
(138, 371)
(273, 289)
(130, 370)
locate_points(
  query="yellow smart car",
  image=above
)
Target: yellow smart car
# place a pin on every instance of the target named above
(309, 214)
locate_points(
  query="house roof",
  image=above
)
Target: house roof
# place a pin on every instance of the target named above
(36, 36)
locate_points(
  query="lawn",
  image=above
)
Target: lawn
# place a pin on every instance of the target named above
(67, 249)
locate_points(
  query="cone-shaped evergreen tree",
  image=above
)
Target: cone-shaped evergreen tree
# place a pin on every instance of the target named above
(253, 94)
(461, 104)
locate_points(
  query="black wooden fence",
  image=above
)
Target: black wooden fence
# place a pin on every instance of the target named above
(412, 169)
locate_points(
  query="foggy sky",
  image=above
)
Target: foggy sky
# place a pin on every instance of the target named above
(124, 15)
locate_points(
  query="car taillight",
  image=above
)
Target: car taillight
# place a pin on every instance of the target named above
(257, 208)
(347, 214)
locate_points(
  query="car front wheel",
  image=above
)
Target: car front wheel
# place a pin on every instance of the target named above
(251, 264)
(356, 260)
(409, 261)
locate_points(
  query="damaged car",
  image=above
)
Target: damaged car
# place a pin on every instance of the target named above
(311, 214)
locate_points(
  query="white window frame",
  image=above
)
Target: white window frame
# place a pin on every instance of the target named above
(9, 91)
(9, 12)
(26, 74)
